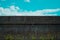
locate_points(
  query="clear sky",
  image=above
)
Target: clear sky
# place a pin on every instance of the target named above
(30, 7)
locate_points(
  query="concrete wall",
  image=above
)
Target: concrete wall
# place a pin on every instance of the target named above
(29, 20)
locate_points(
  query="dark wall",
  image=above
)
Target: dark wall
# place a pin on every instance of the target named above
(29, 25)
(30, 20)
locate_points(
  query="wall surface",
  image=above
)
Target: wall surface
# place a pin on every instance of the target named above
(29, 28)
(30, 20)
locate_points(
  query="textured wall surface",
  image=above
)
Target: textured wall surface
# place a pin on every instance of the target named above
(29, 28)
(29, 32)
(30, 20)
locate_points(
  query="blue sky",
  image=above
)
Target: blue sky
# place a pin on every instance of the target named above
(29, 7)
